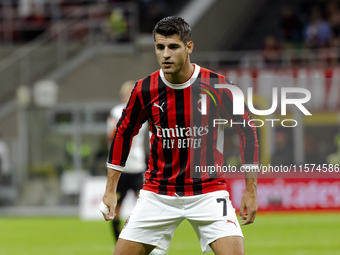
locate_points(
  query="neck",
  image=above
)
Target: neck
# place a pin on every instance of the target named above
(183, 75)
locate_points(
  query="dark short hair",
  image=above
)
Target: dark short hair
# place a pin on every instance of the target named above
(173, 25)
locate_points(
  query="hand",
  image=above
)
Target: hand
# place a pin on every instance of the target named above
(110, 201)
(248, 203)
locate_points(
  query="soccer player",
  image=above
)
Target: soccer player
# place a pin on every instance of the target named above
(180, 102)
(132, 178)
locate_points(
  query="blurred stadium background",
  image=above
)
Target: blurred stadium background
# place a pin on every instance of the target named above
(62, 63)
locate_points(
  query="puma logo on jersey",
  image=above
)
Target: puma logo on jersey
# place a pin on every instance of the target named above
(234, 222)
(159, 106)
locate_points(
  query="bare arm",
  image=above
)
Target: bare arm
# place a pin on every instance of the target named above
(249, 199)
(110, 198)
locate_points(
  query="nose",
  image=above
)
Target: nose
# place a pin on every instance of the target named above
(166, 53)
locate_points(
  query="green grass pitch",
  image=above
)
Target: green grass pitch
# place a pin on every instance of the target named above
(274, 233)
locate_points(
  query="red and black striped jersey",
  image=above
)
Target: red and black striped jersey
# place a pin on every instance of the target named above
(183, 137)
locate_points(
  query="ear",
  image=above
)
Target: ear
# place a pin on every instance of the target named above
(190, 47)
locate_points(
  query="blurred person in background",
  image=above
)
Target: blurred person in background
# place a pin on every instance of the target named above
(132, 177)
(290, 27)
(118, 25)
(333, 14)
(151, 11)
(4, 162)
(318, 32)
(272, 51)
(35, 20)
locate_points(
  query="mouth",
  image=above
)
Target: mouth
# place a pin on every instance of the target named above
(167, 64)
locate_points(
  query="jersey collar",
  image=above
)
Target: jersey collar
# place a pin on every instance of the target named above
(184, 85)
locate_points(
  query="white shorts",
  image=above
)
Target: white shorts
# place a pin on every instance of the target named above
(155, 217)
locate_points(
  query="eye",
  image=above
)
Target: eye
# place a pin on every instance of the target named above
(160, 47)
(173, 46)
